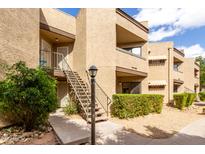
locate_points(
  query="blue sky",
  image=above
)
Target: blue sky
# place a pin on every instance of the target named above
(185, 27)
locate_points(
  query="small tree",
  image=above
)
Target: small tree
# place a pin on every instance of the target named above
(201, 61)
(27, 96)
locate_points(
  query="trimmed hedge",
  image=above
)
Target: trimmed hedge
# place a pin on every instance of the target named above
(183, 100)
(134, 105)
(202, 96)
(190, 99)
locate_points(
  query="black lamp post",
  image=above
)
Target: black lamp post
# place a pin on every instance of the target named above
(92, 72)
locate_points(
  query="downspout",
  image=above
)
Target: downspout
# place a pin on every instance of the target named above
(169, 75)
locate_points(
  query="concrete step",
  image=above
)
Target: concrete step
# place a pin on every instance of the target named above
(97, 113)
(98, 119)
(69, 132)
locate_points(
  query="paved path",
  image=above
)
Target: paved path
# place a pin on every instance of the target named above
(191, 134)
(111, 133)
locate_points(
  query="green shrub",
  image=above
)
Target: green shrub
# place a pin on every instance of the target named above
(133, 105)
(27, 96)
(183, 100)
(71, 108)
(202, 96)
(190, 99)
(180, 100)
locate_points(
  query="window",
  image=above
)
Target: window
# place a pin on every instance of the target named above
(135, 50)
(131, 87)
(176, 67)
(175, 88)
(156, 62)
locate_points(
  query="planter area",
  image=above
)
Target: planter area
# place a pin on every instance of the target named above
(17, 135)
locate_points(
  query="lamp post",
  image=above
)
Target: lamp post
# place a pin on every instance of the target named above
(92, 72)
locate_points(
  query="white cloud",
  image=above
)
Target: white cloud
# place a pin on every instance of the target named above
(170, 22)
(193, 51)
(162, 33)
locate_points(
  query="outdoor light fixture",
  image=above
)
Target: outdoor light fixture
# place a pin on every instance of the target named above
(57, 40)
(92, 72)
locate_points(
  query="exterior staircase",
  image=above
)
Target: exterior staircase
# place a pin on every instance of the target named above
(81, 92)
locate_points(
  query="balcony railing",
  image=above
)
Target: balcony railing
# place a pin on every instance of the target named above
(130, 53)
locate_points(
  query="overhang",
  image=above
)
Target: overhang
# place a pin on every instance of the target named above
(178, 82)
(157, 83)
(129, 72)
(157, 58)
(52, 33)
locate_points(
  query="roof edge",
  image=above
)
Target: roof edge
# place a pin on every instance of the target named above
(131, 19)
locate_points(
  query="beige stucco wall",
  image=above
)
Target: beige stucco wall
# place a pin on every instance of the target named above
(58, 19)
(162, 72)
(101, 44)
(80, 45)
(19, 36)
(166, 72)
(190, 80)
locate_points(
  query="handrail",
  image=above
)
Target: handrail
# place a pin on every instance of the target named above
(109, 101)
(65, 62)
(189, 89)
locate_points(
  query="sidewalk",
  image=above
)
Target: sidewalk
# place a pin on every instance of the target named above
(110, 133)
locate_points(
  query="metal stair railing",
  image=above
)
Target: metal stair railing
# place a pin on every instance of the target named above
(65, 67)
(101, 96)
(188, 90)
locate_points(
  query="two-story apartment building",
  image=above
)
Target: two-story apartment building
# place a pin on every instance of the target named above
(108, 38)
(170, 72)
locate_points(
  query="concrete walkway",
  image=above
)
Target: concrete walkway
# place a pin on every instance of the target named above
(191, 134)
(76, 131)
(69, 131)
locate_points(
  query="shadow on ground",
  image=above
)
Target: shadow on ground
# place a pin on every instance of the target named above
(129, 138)
(154, 132)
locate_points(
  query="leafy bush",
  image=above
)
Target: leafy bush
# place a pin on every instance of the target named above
(202, 96)
(71, 108)
(180, 100)
(190, 99)
(27, 96)
(133, 105)
(183, 100)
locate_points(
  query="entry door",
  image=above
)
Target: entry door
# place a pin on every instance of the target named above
(45, 53)
(62, 51)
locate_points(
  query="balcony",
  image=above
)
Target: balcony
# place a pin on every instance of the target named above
(178, 77)
(130, 60)
(129, 23)
(178, 55)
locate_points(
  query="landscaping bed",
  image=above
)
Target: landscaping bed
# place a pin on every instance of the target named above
(164, 125)
(17, 135)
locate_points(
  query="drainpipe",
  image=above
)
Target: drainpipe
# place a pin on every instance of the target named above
(169, 49)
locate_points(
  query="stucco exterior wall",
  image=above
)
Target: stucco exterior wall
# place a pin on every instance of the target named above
(101, 45)
(162, 71)
(190, 80)
(19, 36)
(80, 45)
(58, 19)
